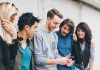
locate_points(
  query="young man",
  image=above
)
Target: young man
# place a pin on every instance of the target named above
(23, 54)
(65, 41)
(45, 43)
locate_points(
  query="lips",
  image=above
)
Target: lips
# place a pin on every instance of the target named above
(81, 36)
(64, 34)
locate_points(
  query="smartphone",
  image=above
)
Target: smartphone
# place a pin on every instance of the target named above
(71, 57)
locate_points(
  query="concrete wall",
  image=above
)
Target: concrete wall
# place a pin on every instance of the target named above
(70, 9)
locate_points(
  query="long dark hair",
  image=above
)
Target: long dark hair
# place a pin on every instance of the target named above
(84, 26)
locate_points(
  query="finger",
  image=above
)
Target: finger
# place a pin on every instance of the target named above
(67, 59)
(6, 21)
(8, 27)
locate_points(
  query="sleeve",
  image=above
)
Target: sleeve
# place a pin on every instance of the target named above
(38, 45)
(92, 52)
(57, 54)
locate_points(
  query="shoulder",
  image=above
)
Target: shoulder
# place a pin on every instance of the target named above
(39, 33)
(55, 34)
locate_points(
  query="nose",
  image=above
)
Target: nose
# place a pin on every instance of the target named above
(80, 32)
(66, 31)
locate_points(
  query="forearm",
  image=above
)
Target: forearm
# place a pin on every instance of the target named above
(40, 60)
(46, 61)
(53, 61)
(91, 66)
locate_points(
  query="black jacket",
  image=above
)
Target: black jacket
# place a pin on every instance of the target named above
(5, 56)
(81, 58)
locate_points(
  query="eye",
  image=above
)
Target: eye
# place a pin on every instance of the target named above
(78, 30)
(56, 23)
(65, 28)
(83, 30)
(35, 27)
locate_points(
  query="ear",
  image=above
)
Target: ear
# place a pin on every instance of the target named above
(48, 18)
(26, 27)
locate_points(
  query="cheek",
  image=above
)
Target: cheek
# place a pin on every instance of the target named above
(49, 25)
(78, 33)
(33, 30)
(62, 30)
(14, 20)
(29, 33)
(83, 34)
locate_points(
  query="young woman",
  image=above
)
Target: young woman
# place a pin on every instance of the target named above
(8, 13)
(83, 49)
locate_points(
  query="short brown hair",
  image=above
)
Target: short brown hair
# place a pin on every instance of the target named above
(53, 12)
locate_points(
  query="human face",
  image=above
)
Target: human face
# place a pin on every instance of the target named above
(65, 30)
(81, 33)
(32, 30)
(14, 19)
(53, 23)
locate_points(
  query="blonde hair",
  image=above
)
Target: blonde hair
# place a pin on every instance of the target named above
(7, 11)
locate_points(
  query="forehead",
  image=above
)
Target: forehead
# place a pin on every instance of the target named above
(57, 19)
(65, 25)
(80, 29)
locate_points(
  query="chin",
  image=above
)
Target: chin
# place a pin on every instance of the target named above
(51, 30)
(63, 34)
(30, 36)
(81, 37)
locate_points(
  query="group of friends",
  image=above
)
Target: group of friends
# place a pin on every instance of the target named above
(43, 49)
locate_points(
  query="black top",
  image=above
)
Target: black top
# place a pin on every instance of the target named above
(81, 58)
(6, 53)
